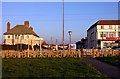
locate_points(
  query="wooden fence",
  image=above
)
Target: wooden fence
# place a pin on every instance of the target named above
(66, 53)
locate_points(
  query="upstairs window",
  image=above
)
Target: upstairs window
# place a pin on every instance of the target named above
(102, 27)
(101, 35)
(8, 36)
(22, 37)
(110, 27)
(16, 36)
(119, 27)
(111, 35)
(12, 36)
(119, 34)
(27, 36)
(104, 35)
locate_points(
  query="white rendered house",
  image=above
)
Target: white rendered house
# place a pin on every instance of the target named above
(20, 34)
(103, 34)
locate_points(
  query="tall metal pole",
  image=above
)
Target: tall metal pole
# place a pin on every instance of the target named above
(51, 40)
(70, 41)
(56, 41)
(70, 33)
(63, 25)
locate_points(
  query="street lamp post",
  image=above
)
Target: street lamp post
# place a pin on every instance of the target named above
(63, 23)
(70, 34)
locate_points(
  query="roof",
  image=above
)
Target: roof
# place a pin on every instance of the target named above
(20, 29)
(105, 22)
(44, 43)
(108, 22)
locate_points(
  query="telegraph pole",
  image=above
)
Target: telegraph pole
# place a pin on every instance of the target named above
(51, 40)
(51, 43)
(63, 23)
(56, 41)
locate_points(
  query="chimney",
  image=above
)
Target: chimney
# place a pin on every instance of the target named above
(26, 23)
(31, 28)
(8, 26)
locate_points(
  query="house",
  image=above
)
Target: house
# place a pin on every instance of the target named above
(20, 34)
(82, 43)
(103, 34)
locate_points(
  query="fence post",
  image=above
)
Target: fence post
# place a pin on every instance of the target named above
(79, 54)
(18, 54)
(93, 54)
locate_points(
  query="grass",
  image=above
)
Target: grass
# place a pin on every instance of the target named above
(48, 67)
(113, 60)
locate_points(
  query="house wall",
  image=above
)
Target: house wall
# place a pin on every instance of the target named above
(91, 35)
(107, 31)
(94, 34)
(21, 39)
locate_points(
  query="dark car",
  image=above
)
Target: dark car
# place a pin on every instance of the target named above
(116, 47)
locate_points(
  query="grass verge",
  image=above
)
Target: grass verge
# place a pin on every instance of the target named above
(48, 67)
(113, 60)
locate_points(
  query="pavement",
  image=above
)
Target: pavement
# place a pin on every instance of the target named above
(110, 71)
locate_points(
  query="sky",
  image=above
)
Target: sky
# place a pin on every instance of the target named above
(46, 17)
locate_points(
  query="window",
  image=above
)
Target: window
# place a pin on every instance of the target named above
(110, 27)
(118, 27)
(105, 44)
(16, 36)
(104, 35)
(102, 27)
(118, 34)
(101, 35)
(27, 36)
(110, 34)
(12, 36)
(8, 36)
(22, 37)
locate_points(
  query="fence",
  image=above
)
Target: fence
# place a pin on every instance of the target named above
(57, 54)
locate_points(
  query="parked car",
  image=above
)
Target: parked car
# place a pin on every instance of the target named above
(116, 47)
(106, 48)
